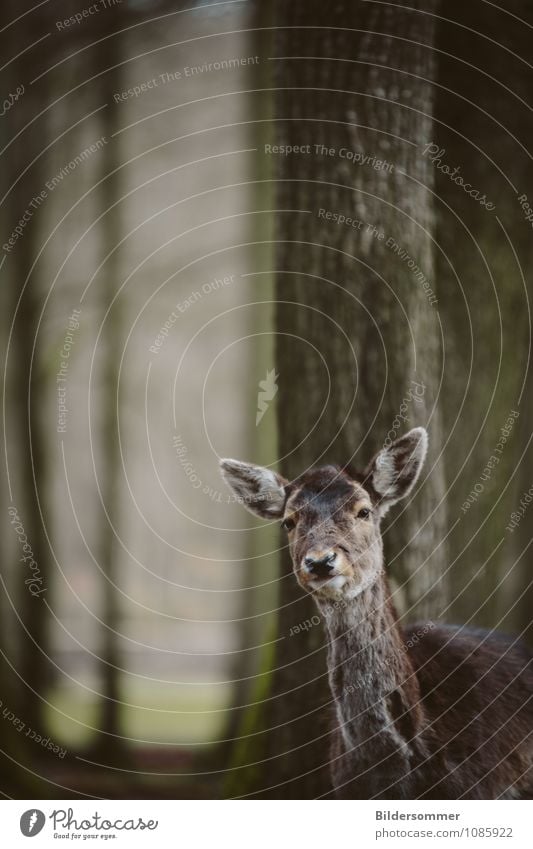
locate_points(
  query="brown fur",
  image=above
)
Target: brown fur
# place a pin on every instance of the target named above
(432, 711)
(446, 715)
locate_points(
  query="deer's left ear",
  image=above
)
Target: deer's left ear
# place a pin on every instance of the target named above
(394, 471)
(261, 490)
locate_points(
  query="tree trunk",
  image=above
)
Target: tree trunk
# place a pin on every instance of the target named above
(254, 630)
(109, 746)
(25, 425)
(484, 269)
(357, 330)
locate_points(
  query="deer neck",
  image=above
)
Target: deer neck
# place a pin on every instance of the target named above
(372, 680)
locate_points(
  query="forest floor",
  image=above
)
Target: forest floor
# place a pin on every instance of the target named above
(149, 773)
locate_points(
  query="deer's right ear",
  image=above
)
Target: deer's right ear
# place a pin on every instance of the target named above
(261, 490)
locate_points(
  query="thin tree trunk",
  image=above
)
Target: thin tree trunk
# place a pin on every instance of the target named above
(109, 746)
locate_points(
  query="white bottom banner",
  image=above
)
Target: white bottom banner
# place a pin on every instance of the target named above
(259, 824)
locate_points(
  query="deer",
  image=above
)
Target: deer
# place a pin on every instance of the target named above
(425, 711)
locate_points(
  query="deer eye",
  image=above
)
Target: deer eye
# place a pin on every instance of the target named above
(364, 513)
(288, 524)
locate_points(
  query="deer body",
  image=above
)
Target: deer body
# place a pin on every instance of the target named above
(445, 715)
(371, 683)
(434, 711)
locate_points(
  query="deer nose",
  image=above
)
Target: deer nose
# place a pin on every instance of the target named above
(322, 565)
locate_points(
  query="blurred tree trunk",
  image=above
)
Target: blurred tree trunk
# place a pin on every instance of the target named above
(520, 605)
(13, 780)
(485, 265)
(109, 746)
(26, 426)
(355, 325)
(256, 626)
(26, 672)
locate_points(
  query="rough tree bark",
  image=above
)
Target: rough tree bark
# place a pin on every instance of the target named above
(355, 322)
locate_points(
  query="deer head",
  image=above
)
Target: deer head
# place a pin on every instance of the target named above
(332, 515)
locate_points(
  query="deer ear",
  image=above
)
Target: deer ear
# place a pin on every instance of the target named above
(261, 490)
(394, 471)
